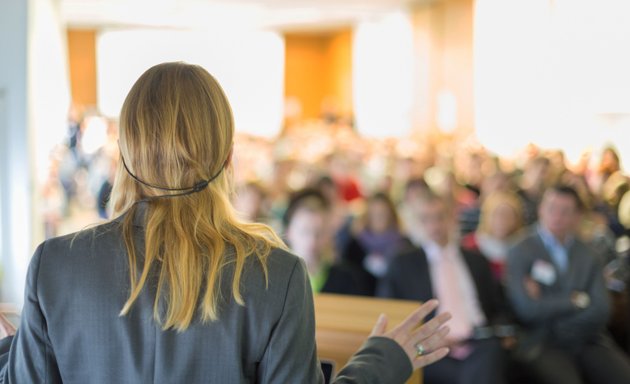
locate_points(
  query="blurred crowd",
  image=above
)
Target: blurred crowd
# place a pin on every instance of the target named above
(516, 247)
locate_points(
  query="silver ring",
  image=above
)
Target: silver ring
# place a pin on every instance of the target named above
(420, 350)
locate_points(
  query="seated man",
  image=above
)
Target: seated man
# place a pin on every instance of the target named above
(462, 281)
(557, 290)
(308, 233)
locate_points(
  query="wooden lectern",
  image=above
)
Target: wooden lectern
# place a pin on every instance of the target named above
(344, 322)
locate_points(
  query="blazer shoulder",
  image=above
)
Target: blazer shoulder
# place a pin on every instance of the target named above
(526, 241)
(584, 250)
(281, 265)
(103, 236)
(282, 259)
(473, 255)
(411, 259)
(410, 255)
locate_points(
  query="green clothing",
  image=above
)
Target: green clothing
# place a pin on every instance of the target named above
(319, 279)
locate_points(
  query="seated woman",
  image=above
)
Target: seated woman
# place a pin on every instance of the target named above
(500, 221)
(309, 234)
(377, 237)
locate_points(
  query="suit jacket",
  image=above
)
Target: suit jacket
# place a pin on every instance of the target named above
(409, 278)
(349, 279)
(553, 319)
(71, 330)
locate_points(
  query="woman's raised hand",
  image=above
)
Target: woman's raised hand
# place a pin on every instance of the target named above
(424, 344)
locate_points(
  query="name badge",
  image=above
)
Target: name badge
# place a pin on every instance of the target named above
(543, 272)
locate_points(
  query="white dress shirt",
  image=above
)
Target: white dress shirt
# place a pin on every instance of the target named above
(453, 286)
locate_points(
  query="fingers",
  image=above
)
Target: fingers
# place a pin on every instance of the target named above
(434, 342)
(416, 317)
(431, 335)
(430, 358)
(380, 326)
(431, 326)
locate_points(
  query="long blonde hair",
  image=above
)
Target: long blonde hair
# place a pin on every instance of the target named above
(176, 129)
(496, 200)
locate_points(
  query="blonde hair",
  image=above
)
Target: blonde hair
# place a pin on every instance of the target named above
(494, 201)
(176, 129)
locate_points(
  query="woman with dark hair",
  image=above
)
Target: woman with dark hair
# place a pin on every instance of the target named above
(376, 236)
(177, 289)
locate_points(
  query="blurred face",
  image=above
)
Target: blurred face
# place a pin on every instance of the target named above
(503, 221)
(435, 220)
(536, 175)
(330, 191)
(609, 161)
(558, 213)
(308, 234)
(415, 193)
(379, 217)
(249, 203)
(495, 183)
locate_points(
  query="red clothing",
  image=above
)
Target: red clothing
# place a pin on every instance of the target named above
(469, 243)
(348, 189)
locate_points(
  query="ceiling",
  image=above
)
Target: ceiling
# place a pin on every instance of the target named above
(285, 15)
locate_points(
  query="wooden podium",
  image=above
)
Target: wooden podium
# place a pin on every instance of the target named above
(344, 322)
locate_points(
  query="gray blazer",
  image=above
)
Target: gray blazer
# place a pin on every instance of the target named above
(71, 330)
(553, 319)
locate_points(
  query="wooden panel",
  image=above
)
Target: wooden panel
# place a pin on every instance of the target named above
(82, 60)
(344, 322)
(306, 71)
(340, 73)
(318, 71)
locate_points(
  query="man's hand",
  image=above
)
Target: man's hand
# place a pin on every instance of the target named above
(532, 288)
(580, 300)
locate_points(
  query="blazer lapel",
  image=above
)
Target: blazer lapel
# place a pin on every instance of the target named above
(544, 254)
(422, 283)
(574, 268)
(425, 283)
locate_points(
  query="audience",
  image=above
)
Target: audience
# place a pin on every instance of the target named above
(251, 202)
(609, 165)
(377, 236)
(557, 290)
(308, 235)
(462, 282)
(340, 218)
(533, 182)
(415, 189)
(495, 182)
(432, 197)
(500, 222)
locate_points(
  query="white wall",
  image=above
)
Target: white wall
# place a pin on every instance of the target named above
(553, 73)
(255, 91)
(15, 180)
(34, 100)
(382, 75)
(48, 87)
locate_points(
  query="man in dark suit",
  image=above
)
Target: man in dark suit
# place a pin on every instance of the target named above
(462, 282)
(556, 287)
